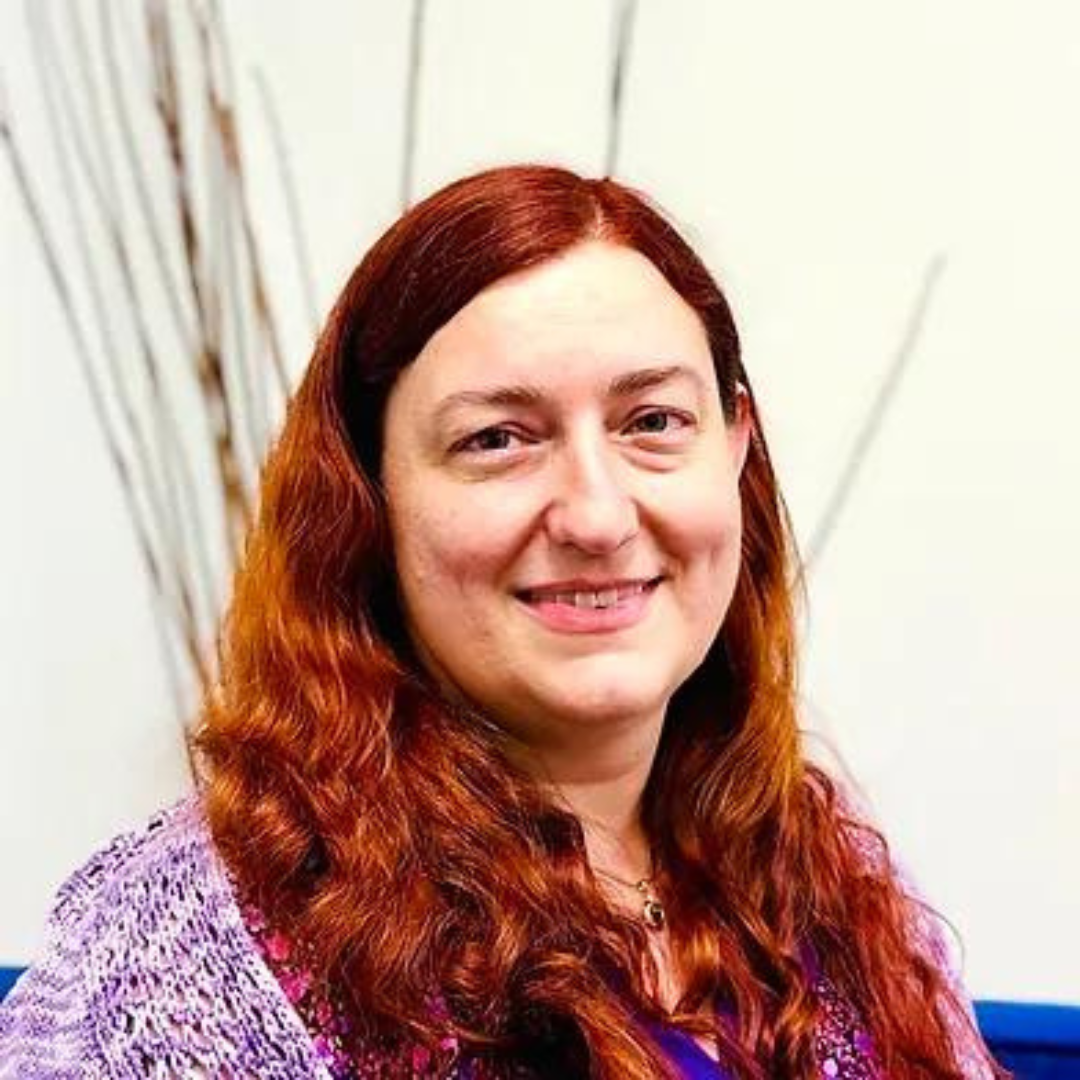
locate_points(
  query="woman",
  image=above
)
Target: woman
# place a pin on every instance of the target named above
(502, 776)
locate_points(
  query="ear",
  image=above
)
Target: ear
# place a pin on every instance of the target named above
(740, 429)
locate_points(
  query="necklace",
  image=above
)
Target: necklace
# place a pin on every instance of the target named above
(652, 909)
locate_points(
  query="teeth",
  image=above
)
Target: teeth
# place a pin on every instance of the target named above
(603, 598)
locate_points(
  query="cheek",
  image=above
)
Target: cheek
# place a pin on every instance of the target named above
(707, 539)
(441, 555)
(706, 524)
(728, 530)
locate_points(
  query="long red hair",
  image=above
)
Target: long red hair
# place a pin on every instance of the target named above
(436, 887)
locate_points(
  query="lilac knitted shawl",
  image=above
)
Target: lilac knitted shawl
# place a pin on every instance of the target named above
(150, 971)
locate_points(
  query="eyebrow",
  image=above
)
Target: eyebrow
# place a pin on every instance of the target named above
(524, 396)
(634, 382)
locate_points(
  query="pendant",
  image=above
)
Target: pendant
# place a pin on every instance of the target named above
(652, 911)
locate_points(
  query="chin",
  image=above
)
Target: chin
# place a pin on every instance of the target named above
(607, 702)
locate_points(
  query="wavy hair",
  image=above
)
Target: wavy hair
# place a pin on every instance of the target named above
(437, 888)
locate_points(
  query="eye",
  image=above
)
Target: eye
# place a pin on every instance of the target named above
(658, 422)
(490, 440)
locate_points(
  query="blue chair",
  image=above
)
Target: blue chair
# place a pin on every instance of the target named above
(1037, 1042)
(8, 976)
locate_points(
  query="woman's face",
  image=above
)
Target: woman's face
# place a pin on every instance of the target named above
(563, 495)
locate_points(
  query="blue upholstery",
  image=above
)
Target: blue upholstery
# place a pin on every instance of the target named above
(7, 979)
(1037, 1042)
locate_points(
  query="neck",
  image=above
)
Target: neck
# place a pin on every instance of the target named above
(600, 777)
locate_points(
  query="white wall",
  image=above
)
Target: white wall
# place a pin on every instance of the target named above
(821, 156)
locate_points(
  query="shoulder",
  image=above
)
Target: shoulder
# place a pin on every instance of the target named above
(148, 970)
(171, 847)
(153, 895)
(931, 937)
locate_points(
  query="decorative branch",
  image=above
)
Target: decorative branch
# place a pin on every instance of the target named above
(875, 417)
(625, 15)
(412, 101)
(159, 467)
(204, 260)
(208, 363)
(224, 114)
(54, 266)
(292, 202)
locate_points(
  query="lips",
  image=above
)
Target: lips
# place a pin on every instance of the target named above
(589, 595)
(590, 607)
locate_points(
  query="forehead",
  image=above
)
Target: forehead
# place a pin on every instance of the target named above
(591, 314)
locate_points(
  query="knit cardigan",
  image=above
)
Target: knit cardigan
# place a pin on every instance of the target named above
(149, 970)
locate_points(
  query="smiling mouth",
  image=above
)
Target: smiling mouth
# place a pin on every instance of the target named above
(602, 597)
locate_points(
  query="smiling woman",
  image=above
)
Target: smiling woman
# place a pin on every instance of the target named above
(502, 776)
(566, 526)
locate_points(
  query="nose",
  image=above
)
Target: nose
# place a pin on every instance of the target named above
(590, 506)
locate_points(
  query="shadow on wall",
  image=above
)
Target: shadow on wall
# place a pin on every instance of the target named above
(1037, 1042)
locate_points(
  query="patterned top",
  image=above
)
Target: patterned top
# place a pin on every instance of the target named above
(152, 969)
(843, 1047)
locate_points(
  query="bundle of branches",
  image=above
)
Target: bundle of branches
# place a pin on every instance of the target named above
(152, 249)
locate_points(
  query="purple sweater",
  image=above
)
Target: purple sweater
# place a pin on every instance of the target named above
(149, 970)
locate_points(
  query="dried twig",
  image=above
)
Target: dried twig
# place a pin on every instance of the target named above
(875, 416)
(246, 400)
(136, 513)
(160, 463)
(141, 180)
(208, 365)
(205, 265)
(412, 101)
(625, 14)
(225, 115)
(292, 201)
